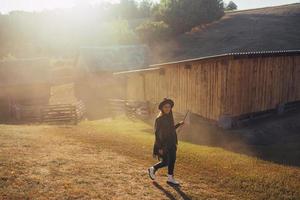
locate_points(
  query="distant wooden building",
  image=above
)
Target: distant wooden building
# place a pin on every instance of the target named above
(23, 82)
(95, 84)
(222, 87)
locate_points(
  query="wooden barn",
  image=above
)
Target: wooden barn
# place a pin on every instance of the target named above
(221, 88)
(23, 83)
(95, 84)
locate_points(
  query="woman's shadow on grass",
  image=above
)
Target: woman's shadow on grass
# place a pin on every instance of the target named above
(170, 195)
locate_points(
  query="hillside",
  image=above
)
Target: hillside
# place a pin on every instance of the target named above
(265, 29)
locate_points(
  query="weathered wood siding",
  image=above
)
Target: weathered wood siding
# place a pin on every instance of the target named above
(197, 88)
(221, 86)
(259, 84)
(135, 87)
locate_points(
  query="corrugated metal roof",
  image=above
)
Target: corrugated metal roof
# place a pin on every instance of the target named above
(285, 52)
(234, 54)
(135, 71)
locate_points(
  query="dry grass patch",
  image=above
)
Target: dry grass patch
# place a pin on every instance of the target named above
(107, 159)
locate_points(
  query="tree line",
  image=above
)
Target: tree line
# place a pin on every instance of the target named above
(60, 33)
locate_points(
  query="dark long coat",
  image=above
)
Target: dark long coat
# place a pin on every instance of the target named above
(165, 134)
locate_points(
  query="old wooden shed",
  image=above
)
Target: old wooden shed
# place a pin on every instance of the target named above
(23, 82)
(221, 87)
(95, 84)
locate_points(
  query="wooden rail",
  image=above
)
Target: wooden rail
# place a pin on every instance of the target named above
(26, 113)
(132, 109)
(57, 113)
(117, 106)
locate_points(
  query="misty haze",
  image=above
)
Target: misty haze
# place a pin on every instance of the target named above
(149, 99)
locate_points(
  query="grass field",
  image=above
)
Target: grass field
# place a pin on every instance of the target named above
(108, 159)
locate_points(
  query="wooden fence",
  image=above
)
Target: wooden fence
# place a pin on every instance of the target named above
(57, 113)
(132, 109)
(26, 113)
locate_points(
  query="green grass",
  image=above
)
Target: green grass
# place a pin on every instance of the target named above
(242, 176)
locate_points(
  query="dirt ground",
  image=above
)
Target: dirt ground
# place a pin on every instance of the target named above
(274, 138)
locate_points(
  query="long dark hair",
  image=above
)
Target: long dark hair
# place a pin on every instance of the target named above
(170, 115)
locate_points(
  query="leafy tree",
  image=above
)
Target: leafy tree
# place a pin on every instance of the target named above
(62, 32)
(128, 9)
(153, 31)
(145, 7)
(183, 15)
(231, 6)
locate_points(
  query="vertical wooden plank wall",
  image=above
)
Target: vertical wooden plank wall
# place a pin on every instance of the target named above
(196, 88)
(297, 75)
(261, 83)
(221, 86)
(135, 87)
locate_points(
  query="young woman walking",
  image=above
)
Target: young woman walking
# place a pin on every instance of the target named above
(165, 145)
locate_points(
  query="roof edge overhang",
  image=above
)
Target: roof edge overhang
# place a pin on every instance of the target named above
(235, 55)
(136, 71)
(232, 55)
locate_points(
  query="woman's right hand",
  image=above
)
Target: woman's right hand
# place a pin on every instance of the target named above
(161, 152)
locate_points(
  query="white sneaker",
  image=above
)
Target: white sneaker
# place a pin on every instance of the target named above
(171, 180)
(151, 172)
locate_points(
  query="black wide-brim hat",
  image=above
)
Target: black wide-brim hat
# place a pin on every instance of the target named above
(164, 102)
